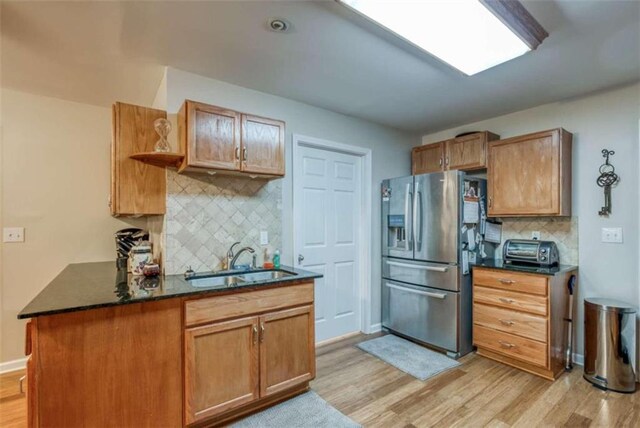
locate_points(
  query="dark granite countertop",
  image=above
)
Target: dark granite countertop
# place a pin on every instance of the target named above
(500, 264)
(83, 286)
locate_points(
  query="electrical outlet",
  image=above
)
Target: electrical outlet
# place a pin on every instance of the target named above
(535, 235)
(612, 235)
(264, 237)
(13, 234)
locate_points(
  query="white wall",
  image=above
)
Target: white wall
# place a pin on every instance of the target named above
(55, 182)
(391, 148)
(602, 120)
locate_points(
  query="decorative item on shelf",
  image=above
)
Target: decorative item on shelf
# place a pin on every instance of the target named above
(163, 128)
(606, 180)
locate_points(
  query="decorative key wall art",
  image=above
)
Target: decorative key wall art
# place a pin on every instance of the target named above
(606, 180)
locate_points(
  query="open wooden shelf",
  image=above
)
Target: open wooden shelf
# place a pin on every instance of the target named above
(163, 159)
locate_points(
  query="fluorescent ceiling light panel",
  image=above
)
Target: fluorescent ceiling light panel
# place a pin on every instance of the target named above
(462, 33)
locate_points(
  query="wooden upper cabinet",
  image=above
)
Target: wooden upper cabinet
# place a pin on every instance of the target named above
(530, 175)
(262, 145)
(428, 158)
(221, 367)
(209, 137)
(137, 188)
(287, 349)
(468, 152)
(222, 140)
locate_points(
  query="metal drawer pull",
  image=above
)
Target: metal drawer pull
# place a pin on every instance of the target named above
(441, 296)
(507, 281)
(262, 332)
(244, 154)
(255, 334)
(506, 345)
(507, 322)
(505, 300)
(430, 268)
(238, 153)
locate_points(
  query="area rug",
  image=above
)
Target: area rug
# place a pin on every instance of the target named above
(416, 360)
(306, 410)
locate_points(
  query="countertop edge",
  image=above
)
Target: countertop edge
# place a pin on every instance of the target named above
(196, 292)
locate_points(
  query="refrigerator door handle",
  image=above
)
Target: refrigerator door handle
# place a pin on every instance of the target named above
(419, 215)
(414, 219)
(430, 268)
(440, 296)
(407, 202)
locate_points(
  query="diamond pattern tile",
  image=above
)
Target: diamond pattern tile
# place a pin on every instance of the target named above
(205, 215)
(562, 230)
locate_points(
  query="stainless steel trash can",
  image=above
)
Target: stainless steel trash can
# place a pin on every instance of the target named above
(609, 344)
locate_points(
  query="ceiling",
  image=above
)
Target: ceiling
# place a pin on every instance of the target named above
(99, 52)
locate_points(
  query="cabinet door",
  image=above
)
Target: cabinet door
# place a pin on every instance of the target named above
(213, 137)
(136, 188)
(221, 367)
(426, 159)
(468, 152)
(530, 175)
(287, 349)
(262, 145)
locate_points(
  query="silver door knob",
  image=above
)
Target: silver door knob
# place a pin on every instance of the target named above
(300, 258)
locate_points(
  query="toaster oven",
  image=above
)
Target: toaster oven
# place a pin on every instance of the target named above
(529, 251)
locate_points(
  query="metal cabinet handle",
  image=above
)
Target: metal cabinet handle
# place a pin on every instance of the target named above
(446, 161)
(506, 345)
(440, 296)
(490, 201)
(507, 322)
(431, 268)
(244, 154)
(261, 332)
(238, 153)
(440, 161)
(507, 281)
(21, 383)
(505, 300)
(255, 334)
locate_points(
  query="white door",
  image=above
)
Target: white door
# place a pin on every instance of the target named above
(327, 215)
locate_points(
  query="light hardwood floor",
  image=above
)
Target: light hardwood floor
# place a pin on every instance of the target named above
(478, 393)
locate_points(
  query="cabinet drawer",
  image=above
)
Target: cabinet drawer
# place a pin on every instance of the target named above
(518, 323)
(246, 303)
(511, 300)
(527, 350)
(533, 284)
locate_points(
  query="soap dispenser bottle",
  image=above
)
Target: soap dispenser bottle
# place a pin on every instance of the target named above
(276, 259)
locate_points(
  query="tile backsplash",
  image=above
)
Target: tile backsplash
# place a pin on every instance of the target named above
(562, 230)
(206, 214)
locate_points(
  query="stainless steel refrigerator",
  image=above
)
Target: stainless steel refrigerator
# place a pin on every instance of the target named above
(426, 285)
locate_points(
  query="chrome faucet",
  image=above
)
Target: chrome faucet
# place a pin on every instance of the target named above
(234, 258)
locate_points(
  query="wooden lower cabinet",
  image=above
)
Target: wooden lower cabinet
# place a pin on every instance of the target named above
(221, 367)
(287, 349)
(260, 353)
(172, 362)
(518, 319)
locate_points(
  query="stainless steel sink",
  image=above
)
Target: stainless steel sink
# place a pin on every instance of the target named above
(216, 281)
(266, 275)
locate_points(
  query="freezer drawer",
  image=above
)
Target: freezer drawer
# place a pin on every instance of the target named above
(425, 314)
(435, 275)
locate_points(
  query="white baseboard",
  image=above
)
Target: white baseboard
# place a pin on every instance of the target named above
(578, 359)
(12, 366)
(375, 328)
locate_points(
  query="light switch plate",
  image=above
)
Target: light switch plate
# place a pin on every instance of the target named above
(264, 237)
(612, 235)
(13, 234)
